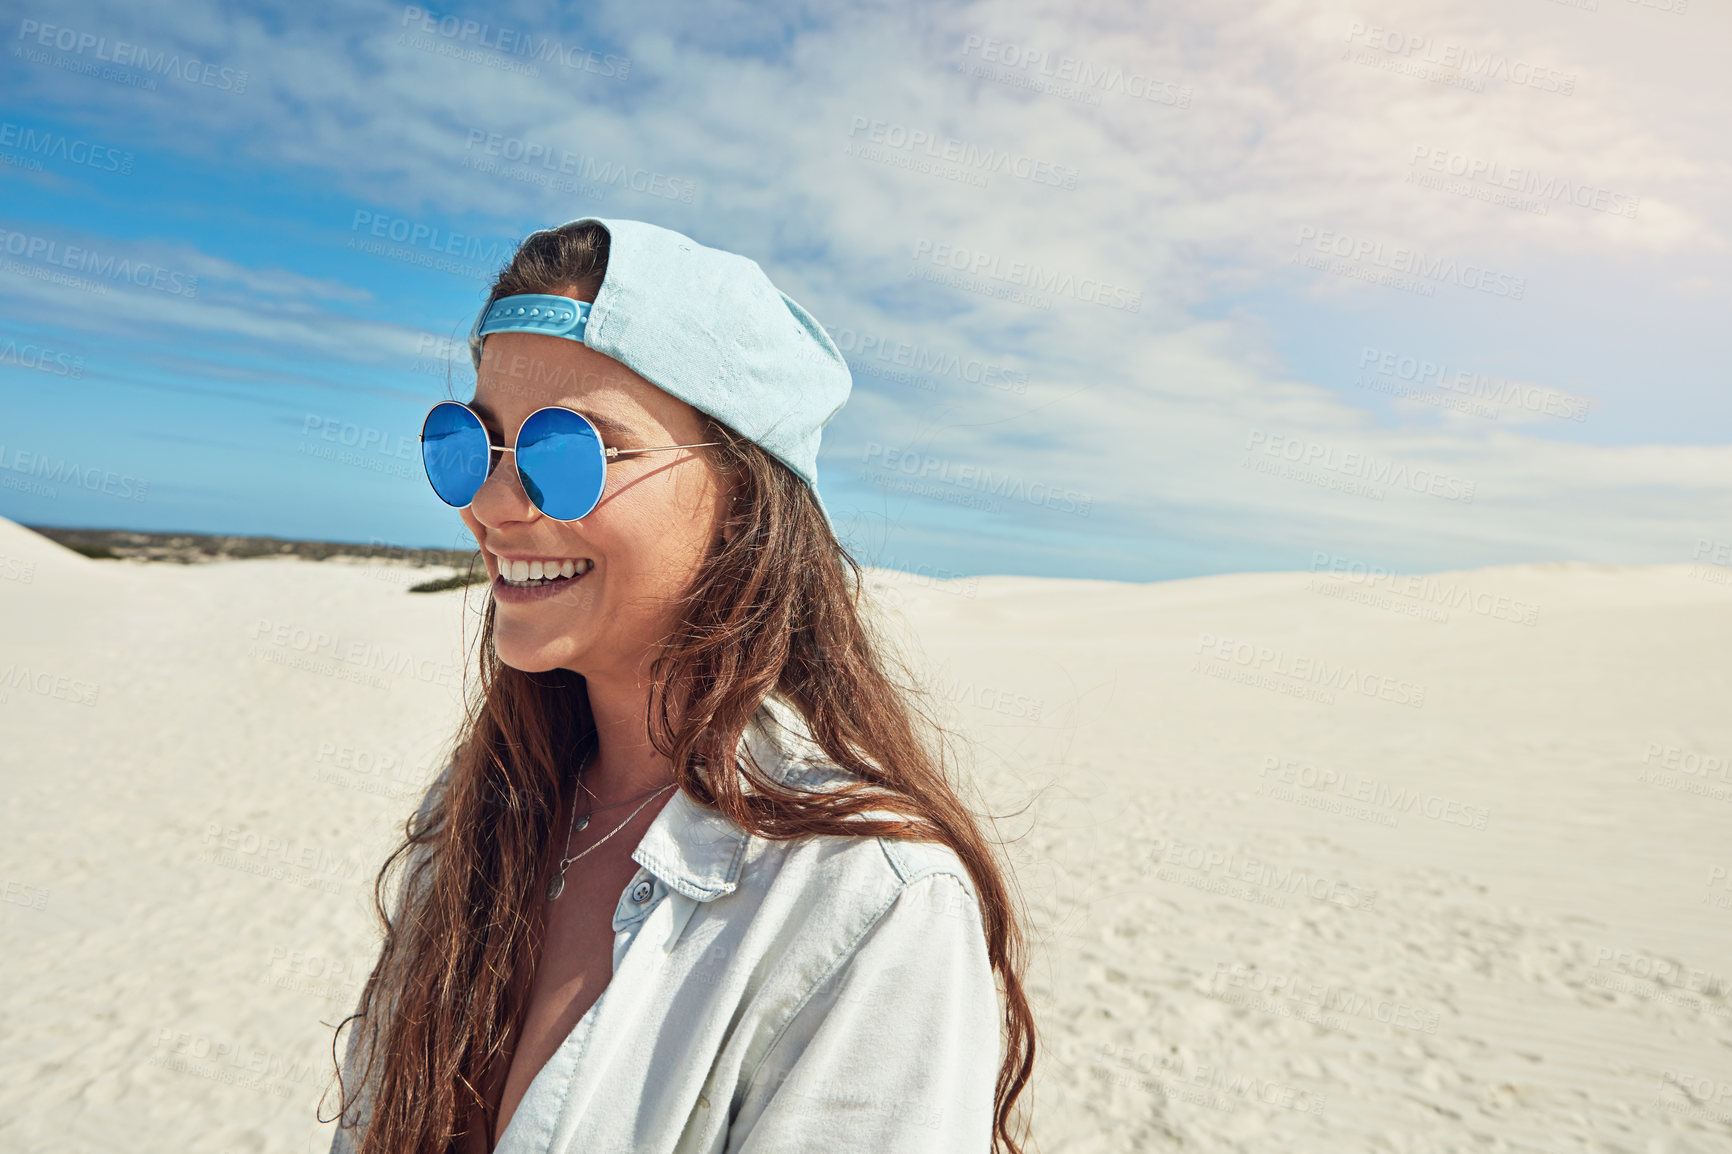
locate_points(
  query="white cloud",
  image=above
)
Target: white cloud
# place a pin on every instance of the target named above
(1279, 133)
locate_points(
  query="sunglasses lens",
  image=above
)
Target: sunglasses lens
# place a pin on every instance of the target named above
(454, 450)
(561, 464)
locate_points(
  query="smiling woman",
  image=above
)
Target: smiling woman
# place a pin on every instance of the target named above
(695, 878)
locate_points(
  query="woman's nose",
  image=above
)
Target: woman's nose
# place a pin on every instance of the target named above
(501, 497)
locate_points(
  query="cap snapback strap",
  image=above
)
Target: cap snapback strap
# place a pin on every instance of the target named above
(552, 316)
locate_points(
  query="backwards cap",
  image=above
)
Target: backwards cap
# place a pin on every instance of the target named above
(703, 325)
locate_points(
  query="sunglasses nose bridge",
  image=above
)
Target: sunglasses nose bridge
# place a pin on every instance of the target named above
(496, 456)
(502, 468)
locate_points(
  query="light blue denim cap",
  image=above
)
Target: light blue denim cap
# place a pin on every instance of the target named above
(708, 327)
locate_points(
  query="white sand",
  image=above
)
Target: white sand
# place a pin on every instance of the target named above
(1224, 963)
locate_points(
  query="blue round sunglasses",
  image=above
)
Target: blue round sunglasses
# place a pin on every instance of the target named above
(560, 458)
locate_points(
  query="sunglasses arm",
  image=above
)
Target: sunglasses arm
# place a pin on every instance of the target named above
(612, 453)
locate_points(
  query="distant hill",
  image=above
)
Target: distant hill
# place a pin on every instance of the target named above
(192, 548)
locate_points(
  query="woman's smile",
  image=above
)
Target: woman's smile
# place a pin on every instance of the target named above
(522, 580)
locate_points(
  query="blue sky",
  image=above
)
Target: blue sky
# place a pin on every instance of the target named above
(1128, 294)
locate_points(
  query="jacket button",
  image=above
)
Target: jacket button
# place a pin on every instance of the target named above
(641, 892)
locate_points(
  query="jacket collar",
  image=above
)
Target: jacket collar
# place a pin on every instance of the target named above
(698, 851)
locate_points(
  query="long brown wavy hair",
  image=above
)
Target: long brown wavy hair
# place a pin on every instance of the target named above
(776, 609)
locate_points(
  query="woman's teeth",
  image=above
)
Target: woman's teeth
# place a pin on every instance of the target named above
(530, 572)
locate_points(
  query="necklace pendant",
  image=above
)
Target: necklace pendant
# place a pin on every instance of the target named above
(555, 885)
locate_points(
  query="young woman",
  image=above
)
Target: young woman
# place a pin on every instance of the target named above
(694, 878)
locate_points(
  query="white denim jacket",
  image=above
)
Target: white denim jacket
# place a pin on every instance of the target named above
(826, 994)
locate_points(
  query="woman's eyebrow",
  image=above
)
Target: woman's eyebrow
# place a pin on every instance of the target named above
(606, 425)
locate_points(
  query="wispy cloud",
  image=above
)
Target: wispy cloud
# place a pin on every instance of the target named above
(1177, 232)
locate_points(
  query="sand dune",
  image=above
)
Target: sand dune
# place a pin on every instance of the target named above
(1315, 863)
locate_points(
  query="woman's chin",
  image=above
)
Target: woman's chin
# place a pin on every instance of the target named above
(535, 653)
